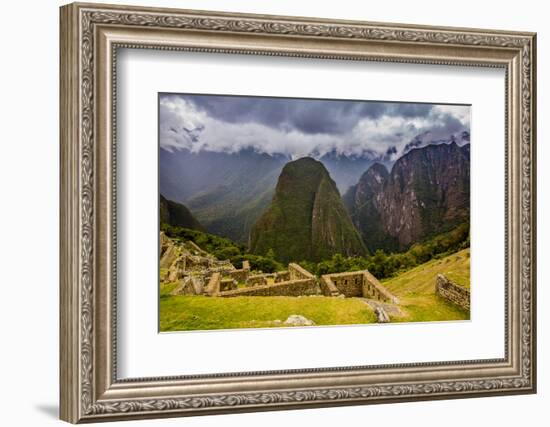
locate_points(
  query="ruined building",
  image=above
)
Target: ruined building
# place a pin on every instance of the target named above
(199, 273)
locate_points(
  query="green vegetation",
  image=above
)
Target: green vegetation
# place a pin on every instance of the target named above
(415, 289)
(383, 265)
(177, 214)
(223, 248)
(410, 276)
(306, 218)
(200, 312)
(380, 264)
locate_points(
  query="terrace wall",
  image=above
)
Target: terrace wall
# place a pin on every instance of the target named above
(293, 288)
(328, 288)
(452, 292)
(373, 289)
(297, 272)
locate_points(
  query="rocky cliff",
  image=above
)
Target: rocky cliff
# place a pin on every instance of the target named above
(427, 192)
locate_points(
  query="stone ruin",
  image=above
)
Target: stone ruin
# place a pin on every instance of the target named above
(200, 273)
(452, 292)
(356, 284)
(186, 259)
(296, 281)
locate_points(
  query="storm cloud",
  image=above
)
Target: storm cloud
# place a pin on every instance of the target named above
(298, 127)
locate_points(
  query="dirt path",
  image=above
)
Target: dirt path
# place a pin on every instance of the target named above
(391, 309)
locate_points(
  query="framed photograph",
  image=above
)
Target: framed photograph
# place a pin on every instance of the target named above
(266, 212)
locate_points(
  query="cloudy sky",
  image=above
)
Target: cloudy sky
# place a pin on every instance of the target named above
(299, 127)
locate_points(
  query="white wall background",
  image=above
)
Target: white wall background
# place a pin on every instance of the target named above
(29, 170)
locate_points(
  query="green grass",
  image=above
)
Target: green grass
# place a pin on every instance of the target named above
(416, 289)
(184, 313)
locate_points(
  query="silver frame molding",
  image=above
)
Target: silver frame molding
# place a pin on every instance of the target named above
(90, 37)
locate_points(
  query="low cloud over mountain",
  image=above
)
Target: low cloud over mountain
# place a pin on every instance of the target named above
(299, 127)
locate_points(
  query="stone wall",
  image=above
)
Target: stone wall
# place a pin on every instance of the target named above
(291, 288)
(256, 280)
(164, 242)
(170, 254)
(239, 275)
(228, 284)
(193, 261)
(197, 248)
(297, 272)
(242, 274)
(176, 270)
(213, 287)
(356, 284)
(282, 276)
(373, 289)
(215, 263)
(452, 292)
(349, 284)
(328, 288)
(220, 269)
(188, 286)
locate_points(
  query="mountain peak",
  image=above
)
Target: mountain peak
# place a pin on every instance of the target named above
(306, 219)
(304, 162)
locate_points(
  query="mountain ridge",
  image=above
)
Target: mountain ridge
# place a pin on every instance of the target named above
(177, 214)
(426, 192)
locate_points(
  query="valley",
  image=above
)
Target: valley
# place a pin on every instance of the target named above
(261, 201)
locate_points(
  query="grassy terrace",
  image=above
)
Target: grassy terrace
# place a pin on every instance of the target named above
(200, 312)
(415, 288)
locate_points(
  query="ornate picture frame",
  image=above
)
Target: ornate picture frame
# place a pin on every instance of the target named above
(90, 37)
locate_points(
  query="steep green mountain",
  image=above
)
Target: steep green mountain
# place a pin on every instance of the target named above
(306, 219)
(177, 215)
(426, 193)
